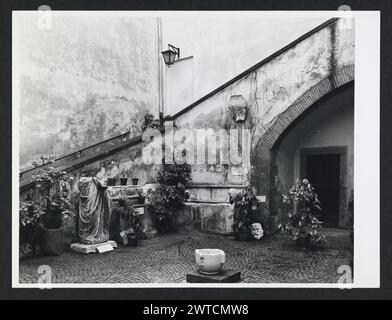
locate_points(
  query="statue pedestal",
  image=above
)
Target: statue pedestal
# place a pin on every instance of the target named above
(91, 248)
(226, 276)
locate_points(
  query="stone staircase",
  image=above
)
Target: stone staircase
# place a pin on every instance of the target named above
(82, 157)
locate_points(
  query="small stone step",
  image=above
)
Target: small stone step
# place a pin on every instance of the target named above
(91, 248)
(226, 276)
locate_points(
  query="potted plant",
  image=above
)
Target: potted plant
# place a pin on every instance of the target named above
(53, 196)
(123, 181)
(141, 197)
(303, 225)
(169, 195)
(135, 181)
(247, 210)
(135, 223)
(31, 224)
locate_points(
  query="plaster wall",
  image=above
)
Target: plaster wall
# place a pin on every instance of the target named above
(127, 163)
(178, 85)
(327, 128)
(337, 130)
(84, 80)
(223, 47)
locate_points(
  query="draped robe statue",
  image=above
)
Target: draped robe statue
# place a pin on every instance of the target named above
(94, 213)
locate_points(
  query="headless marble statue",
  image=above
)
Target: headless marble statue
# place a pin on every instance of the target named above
(94, 214)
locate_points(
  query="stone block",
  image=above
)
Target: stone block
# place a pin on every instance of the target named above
(90, 248)
(147, 218)
(226, 276)
(204, 176)
(210, 217)
(213, 193)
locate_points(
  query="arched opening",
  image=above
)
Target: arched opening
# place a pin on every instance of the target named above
(320, 147)
(318, 144)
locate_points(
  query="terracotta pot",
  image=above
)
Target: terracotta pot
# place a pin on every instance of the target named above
(163, 226)
(111, 181)
(133, 240)
(303, 240)
(52, 241)
(135, 181)
(209, 261)
(53, 220)
(123, 181)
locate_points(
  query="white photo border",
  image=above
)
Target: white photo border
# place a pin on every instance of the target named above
(366, 146)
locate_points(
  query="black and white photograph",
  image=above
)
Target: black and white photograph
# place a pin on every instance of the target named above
(195, 149)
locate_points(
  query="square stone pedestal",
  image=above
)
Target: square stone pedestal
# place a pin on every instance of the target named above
(91, 248)
(226, 276)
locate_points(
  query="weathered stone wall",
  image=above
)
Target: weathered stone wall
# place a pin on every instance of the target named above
(83, 80)
(268, 91)
(127, 163)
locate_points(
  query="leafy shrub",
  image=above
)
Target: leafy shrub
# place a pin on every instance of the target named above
(302, 219)
(30, 214)
(247, 210)
(52, 192)
(170, 192)
(31, 223)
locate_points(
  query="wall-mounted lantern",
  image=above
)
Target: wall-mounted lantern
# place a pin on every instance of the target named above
(170, 55)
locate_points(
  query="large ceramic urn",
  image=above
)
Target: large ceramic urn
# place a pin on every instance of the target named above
(209, 261)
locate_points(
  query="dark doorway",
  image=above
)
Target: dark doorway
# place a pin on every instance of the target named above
(323, 172)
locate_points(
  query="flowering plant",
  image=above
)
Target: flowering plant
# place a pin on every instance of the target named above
(53, 188)
(30, 214)
(171, 191)
(302, 219)
(247, 208)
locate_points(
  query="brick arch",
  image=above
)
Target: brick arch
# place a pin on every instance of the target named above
(263, 159)
(311, 96)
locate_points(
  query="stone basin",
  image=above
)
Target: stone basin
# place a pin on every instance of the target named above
(209, 261)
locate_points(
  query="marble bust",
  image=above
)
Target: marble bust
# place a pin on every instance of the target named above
(256, 231)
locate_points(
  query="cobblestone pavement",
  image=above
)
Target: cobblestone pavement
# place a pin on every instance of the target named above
(167, 259)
